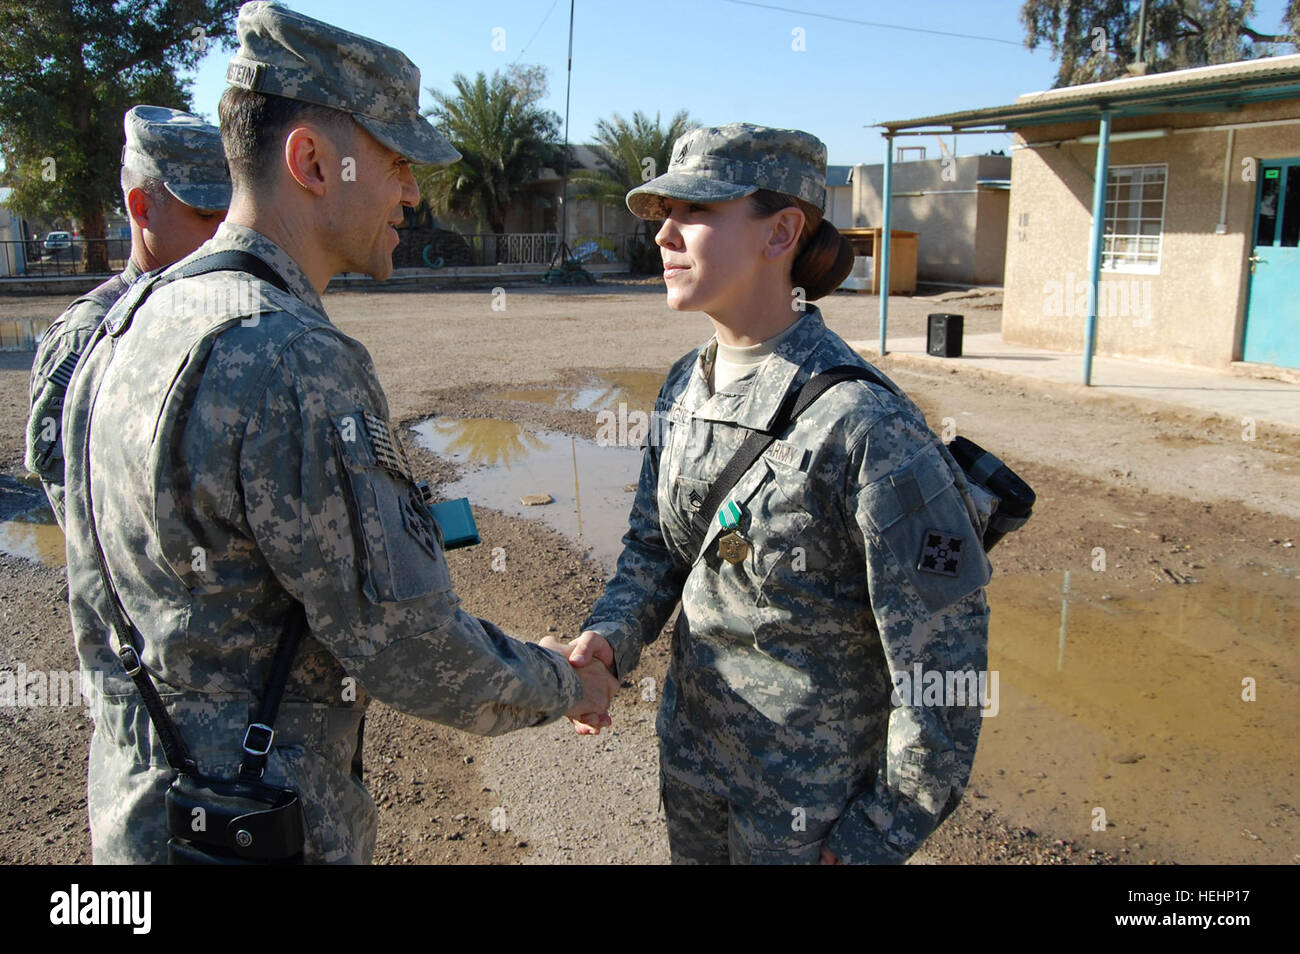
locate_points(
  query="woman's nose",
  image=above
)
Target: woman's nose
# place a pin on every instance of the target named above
(668, 236)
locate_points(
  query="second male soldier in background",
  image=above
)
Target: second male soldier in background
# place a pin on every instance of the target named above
(176, 190)
(243, 462)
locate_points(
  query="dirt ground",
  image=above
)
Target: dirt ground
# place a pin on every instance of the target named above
(1197, 593)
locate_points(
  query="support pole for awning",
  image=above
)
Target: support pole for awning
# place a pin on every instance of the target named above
(886, 202)
(1094, 247)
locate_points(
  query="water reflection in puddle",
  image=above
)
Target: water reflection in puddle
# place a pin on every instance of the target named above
(1136, 706)
(34, 536)
(636, 389)
(22, 334)
(514, 460)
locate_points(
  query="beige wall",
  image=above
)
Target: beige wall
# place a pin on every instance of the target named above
(839, 206)
(961, 227)
(991, 210)
(1190, 312)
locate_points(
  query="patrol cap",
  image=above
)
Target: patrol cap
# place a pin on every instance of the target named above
(717, 163)
(283, 53)
(181, 150)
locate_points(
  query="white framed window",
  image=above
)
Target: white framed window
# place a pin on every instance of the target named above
(1135, 218)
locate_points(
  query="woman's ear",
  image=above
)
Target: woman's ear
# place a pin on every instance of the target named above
(787, 226)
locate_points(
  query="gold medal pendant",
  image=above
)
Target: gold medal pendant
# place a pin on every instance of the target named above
(732, 547)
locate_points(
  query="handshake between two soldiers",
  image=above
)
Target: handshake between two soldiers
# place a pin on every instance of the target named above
(593, 660)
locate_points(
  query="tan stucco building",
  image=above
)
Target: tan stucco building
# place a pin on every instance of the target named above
(1198, 256)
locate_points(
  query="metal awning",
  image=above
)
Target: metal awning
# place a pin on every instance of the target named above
(1204, 89)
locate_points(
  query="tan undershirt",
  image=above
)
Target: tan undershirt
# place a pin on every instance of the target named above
(731, 363)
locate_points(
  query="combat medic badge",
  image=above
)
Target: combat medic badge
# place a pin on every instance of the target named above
(732, 545)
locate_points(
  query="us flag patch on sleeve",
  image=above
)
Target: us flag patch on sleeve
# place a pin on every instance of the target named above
(389, 453)
(940, 553)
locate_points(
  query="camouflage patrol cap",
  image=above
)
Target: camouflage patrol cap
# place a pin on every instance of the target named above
(181, 150)
(717, 163)
(283, 53)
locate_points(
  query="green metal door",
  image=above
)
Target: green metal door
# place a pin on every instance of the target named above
(1273, 305)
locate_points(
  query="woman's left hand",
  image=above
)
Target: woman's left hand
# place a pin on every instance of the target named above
(828, 857)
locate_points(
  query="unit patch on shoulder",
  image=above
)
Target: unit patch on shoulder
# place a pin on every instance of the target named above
(418, 524)
(388, 449)
(940, 553)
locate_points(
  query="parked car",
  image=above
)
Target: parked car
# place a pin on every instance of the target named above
(57, 244)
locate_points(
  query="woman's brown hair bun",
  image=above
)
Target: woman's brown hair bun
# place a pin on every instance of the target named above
(825, 257)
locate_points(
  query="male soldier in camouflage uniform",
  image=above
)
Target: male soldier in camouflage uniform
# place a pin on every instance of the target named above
(779, 743)
(243, 460)
(176, 190)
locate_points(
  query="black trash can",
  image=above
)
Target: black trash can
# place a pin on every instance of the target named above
(943, 336)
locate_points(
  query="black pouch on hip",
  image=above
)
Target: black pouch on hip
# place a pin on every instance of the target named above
(1015, 497)
(218, 822)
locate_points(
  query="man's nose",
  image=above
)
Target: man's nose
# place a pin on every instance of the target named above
(410, 188)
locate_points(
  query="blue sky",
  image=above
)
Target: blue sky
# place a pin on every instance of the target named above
(724, 61)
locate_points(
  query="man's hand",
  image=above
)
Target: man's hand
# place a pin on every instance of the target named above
(591, 645)
(828, 857)
(592, 656)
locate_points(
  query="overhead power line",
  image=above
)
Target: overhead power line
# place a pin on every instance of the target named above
(871, 23)
(535, 32)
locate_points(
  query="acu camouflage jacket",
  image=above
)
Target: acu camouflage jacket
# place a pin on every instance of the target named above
(864, 561)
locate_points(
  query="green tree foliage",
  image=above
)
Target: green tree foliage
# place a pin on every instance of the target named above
(69, 69)
(1097, 39)
(505, 137)
(630, 155)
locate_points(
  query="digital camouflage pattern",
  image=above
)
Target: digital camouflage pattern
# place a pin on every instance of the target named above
(704, 829)
(185, 154)
(283, 53)
(719, 163)
(242, 458)
(182, 151)
(778, 696)
(56, 359)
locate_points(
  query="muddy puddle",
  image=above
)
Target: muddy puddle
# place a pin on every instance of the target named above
(504, 461)
(33, 535)
(22, 334)
(635, 389)
(1137, 704)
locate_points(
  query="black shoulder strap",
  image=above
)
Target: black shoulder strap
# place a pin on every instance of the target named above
(232, 260)
(796, 402)
(228, 260)
(258, 736)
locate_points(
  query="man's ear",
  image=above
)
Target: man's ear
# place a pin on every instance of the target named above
(787, 226)
(139, 206)
(306, 154)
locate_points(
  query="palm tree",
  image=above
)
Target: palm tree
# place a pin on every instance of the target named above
(632, 154)
(505, 139)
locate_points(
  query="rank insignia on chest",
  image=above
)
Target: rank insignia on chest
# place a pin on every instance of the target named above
(732, 545)
(940, 553)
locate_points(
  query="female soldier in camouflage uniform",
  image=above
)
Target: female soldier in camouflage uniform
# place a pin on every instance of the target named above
(848, 553)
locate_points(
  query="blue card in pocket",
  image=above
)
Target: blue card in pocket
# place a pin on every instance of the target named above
(456, 522)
